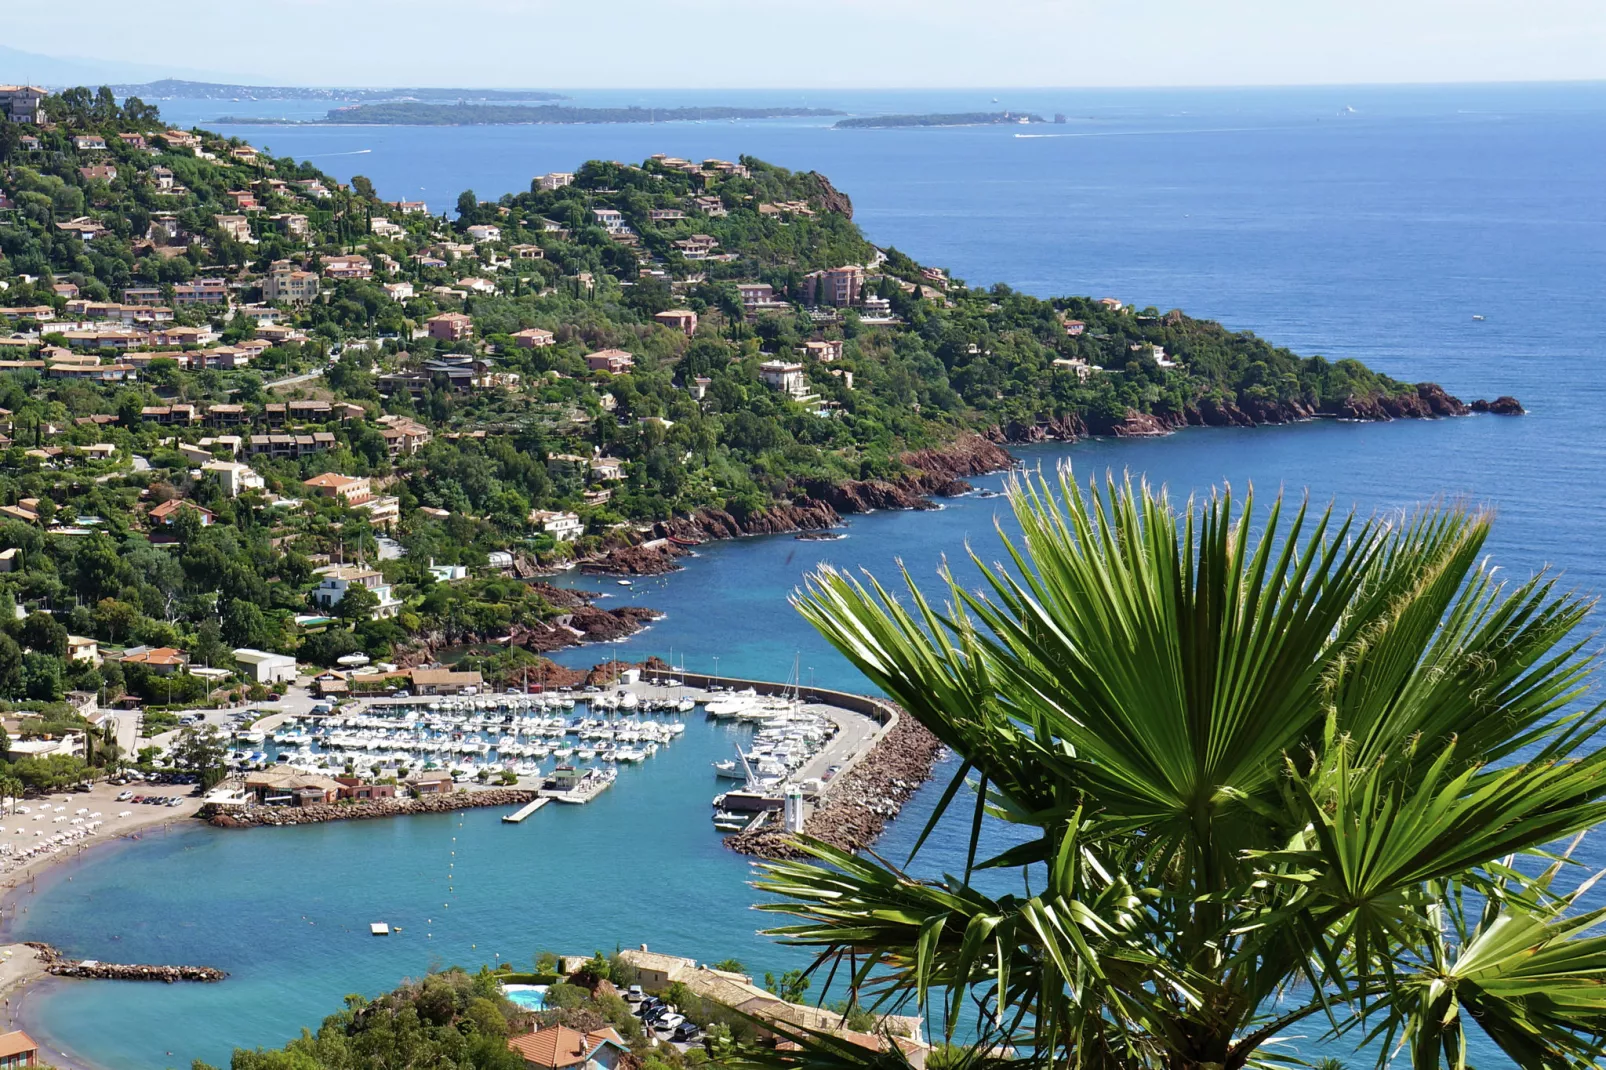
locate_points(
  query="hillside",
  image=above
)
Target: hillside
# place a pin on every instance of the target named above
(226, 375)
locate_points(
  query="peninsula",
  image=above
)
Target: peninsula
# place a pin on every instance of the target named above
(414, 113)
(253, 415)
(174, 88)
(972, 118)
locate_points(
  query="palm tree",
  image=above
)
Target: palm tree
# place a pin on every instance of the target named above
(1260, 784)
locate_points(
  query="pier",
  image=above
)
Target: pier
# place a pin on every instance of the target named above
(526, 810)
(58, 965)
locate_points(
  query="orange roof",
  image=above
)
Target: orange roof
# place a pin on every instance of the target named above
(561, 1046)
(162, 655)
(173, 505)
(16, 1042)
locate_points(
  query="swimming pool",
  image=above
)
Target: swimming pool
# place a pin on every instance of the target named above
(530, 997)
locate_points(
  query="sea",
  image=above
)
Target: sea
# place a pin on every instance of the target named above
(1447, 233)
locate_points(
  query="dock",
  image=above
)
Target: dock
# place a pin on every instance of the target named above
(379, 928)
(526, 810)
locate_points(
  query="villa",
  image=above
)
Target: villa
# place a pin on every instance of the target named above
(562, 1048)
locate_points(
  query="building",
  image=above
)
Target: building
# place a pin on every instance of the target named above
(485, 232)
(835, 286)
(825, 352)
(80, 648)
(785, 376)
(17, 1049)
(265, 667)
(555, 180)
(699, 387)
(285, 787)
(610, 219)
(654, 971)
(285, 282)
(348, 267)
(334, 485)
(756, 294)
(237, 227)
(564, 527)
(162, 660)
(444, 682)
(678, 319)
(399, 291)
(338, 579)
(200, 292)
(233, 478)
(22, 104)
(612, 361)
(450, 326)
(561, 1048)
(533, 338)
(403, 435)
(165, 513)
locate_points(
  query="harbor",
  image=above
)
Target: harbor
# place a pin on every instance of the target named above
(407, 754)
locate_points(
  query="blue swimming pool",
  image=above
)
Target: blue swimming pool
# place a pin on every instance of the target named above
(531, 997)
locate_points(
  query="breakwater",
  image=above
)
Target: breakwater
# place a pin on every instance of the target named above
(58, 965)
(862, 799)
(237, 817)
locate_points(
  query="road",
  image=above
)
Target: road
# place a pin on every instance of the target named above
(293, 380)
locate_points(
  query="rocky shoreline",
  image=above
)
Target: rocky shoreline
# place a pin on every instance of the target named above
(1429, 401)
(938, 472)
(580, 622)
(58, 965)
(869, 795)
(360, 810)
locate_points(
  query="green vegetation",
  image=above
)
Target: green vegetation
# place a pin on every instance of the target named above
(1269, 777)
(449, 1019)
(467, 441)
(969, 118)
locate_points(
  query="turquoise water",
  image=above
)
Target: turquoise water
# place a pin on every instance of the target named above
(1376, 235)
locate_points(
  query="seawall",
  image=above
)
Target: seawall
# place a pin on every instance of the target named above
(232, 817)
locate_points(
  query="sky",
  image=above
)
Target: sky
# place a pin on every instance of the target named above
(832, 43)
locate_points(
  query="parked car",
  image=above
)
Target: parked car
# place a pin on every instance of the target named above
(686, 1031)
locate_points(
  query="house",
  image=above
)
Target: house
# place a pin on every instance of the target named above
(785, 376)
(348, 267)
(162, 660)
(294, 224)
(80, 648)
(450, 326)
(201, 292)
(180, 139)
(825, 352)
(526, 251)
(699, 387)
(165, 513)
(403, 436)
(21, 104)
(697, 247)
(265, 667)
(606, 469)
(485, 232)
(444, 682)
(561, 1048)
(655, 971)
(17, 1049)
(11, 559)
(335, 485)
(237, 227)
(233, 478)
(555, 180)
(355, 788)
(564, 527)
(399, 291)
(835, 286)
(286, 787)
(612, 361)
(89, 143)
(338, 579)
(755, 294)
(285, 282)
(431, 784)
(1074, 328)
(533, 338)
(100, 172)
(610, 219)
(678, 319)
(385, 228)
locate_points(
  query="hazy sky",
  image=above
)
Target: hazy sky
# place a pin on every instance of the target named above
(835, 43)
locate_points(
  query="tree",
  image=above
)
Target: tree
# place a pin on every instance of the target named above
(357, 604)
(244, 625)
(791, 985)
(1263, 772)
(467, 205)
(201, 750)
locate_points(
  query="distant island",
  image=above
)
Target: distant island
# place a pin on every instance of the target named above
(968, 118)
(417, 114)
(175, 88)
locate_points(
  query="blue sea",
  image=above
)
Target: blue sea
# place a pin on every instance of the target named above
(1371, 223)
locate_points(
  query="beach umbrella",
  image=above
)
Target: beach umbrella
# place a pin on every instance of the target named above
(61, 809)
(38, 817)
(95, 814)
(82, 810)
(125, 813)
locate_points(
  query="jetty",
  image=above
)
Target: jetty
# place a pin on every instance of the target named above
(58, 965)
(569, 784)
(526, 810)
